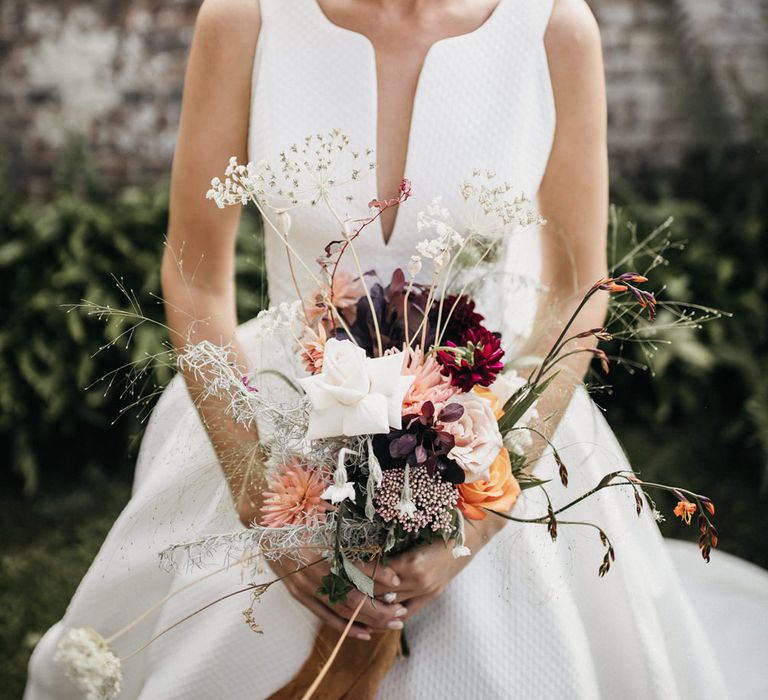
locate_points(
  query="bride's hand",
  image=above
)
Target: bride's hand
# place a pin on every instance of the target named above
(374, 616)
(425, 572)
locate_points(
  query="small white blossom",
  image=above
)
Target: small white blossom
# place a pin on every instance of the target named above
(341, 488)
(406, 505)
(241, 183)
(90, 663)
(461, 551)
(495, 209)
(375, 477)
(414, 266)
(439, 248)
(459, 548)
(280, 317)
(283, 223)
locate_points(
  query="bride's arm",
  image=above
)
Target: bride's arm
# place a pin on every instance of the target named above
(198, 264)
(574, 200)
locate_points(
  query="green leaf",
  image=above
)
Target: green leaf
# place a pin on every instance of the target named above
(360, 580)
(335, 587)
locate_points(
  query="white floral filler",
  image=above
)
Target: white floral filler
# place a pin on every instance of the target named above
(90, 663)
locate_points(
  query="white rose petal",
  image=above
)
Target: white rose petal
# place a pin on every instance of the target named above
(354, 394)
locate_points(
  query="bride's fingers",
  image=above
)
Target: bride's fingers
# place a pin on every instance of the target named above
(384, 577)
(376, 614)
(358, 631)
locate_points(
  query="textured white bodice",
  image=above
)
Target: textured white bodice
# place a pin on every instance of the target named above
(484, 100)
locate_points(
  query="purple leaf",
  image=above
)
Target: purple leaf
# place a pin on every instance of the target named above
(451, 413)
(402, 446)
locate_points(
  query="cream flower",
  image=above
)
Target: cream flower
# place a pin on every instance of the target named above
(507, 384)
(476, 435)
(90, 663)
(354, 394)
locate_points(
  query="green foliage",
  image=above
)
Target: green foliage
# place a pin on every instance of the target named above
(335, 587)
(45, 552)
(702, 420)
(58, 253)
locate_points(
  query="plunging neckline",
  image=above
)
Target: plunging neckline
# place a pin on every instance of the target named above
(433, 48)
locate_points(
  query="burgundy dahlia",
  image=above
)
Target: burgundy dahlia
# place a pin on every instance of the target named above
(462, 318)
(475, 360)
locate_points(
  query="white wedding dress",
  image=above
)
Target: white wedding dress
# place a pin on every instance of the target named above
(528, 618)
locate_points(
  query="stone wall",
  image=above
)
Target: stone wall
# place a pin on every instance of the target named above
(679, 72)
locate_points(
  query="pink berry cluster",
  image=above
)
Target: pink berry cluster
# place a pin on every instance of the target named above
(434, 499)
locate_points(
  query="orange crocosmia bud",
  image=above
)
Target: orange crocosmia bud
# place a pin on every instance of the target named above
(685, 510)
(710, 507)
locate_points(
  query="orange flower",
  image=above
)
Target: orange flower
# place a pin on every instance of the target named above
(684, 510)
(499, 493)
(495, 401)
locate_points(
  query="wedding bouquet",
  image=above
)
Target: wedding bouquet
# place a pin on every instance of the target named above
(407, 420)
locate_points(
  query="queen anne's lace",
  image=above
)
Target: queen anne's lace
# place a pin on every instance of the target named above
(90, 663)
(306, 173)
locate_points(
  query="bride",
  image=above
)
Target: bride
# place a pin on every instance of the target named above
(439, 87)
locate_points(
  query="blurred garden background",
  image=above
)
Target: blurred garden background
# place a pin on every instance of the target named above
(89, 96)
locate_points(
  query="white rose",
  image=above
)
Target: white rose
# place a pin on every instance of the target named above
(477, 440)
(354, 394)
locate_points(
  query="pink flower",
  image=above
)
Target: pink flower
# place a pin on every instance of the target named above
(477, 440)
(293, 496)
(347, 291)
(313, 349)
(429, 383)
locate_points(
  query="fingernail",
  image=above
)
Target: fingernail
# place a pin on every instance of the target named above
(364, 636)
(390, 597)
(395, 625)
(401, 611)
(396, 580)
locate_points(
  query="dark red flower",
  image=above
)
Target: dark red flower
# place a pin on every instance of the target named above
(462, 317)
(475, 360)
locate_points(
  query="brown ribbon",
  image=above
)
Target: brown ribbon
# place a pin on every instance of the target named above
(356, 673)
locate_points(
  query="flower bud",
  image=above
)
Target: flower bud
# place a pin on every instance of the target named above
(414, 265)
(283, 223)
